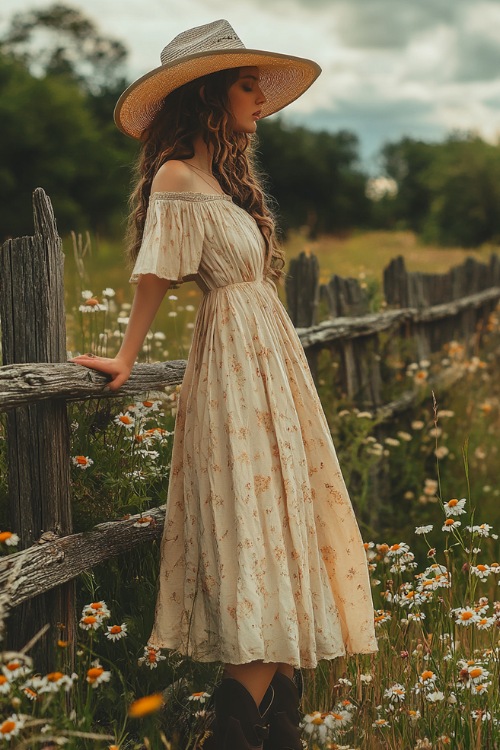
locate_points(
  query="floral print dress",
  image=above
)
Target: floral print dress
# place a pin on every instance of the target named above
(262, 557)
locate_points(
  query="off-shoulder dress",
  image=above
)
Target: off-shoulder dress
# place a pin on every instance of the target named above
(262, 557)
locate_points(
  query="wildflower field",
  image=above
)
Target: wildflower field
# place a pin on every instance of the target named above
(425, 489)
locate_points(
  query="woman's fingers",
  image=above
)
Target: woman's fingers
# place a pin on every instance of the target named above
(114, 367)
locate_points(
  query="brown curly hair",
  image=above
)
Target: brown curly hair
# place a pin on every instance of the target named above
(183, 115)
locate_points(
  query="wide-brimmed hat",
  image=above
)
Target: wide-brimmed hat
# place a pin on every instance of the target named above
(207, 49)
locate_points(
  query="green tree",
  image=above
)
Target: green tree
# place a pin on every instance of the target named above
(407, 162)
(464, 179)
(314, 176)
(51, 139)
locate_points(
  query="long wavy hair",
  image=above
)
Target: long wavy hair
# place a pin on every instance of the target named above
(183, 115)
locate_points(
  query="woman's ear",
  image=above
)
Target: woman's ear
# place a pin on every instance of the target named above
(202, 94)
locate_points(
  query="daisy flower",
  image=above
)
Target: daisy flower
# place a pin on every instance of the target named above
(200, 697)
(450, 525)
(427, 679)
(317, 725)
(381, 616)
(11, 727)
(99, 609)
(381, 723)
(435, 696)
(481, 571)
(96, 675)
(417, 616)
(400, 548)
(339, 718)
(93, 305)
(125, 420)
(454, 507)
(55, 680)
(83, 462)
(8, 538)
(485, 623)
(477, 673)
(396, 693)
(15, 668)
(424, 529)
(481, 530)
(4, 684)
(90, 622)
(116, 632)
(151, 657)
(465, 616)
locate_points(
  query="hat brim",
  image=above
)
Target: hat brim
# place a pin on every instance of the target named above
(283, 78)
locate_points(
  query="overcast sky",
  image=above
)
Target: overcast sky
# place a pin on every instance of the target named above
(390, 67)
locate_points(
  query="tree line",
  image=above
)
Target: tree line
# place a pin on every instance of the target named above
(56, 103)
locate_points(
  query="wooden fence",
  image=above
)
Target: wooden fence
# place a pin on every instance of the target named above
(429, 310)
(36, 382)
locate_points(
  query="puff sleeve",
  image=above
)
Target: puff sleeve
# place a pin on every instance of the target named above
(172, 242)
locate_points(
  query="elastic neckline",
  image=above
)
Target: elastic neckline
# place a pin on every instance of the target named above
(187, 195)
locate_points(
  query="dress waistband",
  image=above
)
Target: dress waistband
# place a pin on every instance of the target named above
(235, 284)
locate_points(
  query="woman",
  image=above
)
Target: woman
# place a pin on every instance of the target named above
(263, 566)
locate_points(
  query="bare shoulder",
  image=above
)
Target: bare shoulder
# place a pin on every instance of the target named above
(173, 176)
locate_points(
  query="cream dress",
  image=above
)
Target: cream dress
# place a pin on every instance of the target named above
(262, 557)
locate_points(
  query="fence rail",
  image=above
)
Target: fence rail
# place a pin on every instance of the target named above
(33, 382)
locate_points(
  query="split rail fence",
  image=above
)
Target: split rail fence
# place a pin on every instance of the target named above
(37, 584)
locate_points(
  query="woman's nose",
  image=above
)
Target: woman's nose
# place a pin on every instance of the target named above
(261, 97)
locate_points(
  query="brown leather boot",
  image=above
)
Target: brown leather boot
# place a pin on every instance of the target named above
(239, 724)
(284, 716)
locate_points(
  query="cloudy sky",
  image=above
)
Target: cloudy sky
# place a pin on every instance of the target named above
(390, 67)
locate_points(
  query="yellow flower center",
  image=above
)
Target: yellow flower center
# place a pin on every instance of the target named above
(13, 665)
(4, 535)
(125, 419)
(147, 403)
(3, 679)
(465, 615)
(94, 672)
(427, 675)
(482, 567)
(7, 727)
(449, 522)
(92, 301)
(115, 629)
(54, 676)
(452, 503)
(89, 620)
(476, 672)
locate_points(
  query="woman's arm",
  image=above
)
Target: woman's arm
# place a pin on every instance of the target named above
(147, 298)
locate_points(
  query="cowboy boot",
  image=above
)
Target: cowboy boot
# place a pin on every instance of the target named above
(239, 723)
(284, 716)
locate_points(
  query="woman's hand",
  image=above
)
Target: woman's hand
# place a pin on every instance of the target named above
(114, 366)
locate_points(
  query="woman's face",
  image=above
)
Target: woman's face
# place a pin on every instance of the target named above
(246, 100)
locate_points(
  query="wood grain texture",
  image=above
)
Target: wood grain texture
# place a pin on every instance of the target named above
(55, 560)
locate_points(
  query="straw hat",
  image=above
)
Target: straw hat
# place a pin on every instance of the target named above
(207, 49)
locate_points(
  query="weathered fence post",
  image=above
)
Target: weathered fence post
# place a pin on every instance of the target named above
(302, 287)
(34, 330)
